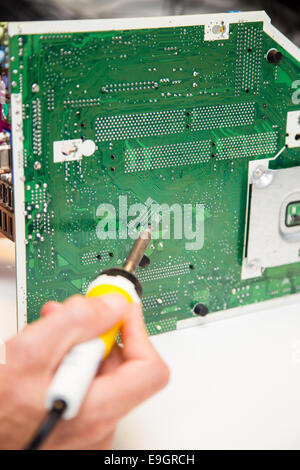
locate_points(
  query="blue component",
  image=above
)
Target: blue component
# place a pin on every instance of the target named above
(233, 11)
(2, 56)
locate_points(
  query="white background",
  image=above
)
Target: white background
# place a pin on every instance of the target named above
(234, 383)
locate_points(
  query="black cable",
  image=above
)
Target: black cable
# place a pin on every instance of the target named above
(54, 416)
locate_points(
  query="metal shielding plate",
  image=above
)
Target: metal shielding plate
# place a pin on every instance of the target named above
(271, 242)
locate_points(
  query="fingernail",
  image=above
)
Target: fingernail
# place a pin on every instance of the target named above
(53, 304)
(51, 307)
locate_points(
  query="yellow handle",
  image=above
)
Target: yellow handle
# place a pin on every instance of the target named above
(109, 337)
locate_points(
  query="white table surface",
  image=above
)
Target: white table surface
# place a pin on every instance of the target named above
(234, 383)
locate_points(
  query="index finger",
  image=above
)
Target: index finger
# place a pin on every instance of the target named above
(141, 375)
(136, 341)
(78, 319)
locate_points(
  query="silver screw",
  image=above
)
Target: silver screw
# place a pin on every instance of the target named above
(258, 172)
(35, 88)
(37, 166)
(253, 265)
(262, 177)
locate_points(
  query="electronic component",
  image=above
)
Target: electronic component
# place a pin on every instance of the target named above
(292, 216)
(6, 206)
(200, 309)
(5, 150)
(145, 261)
(192, 110)
(274, 56)
(273, 232)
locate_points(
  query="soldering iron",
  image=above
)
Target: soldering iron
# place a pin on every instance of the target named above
(79, 367)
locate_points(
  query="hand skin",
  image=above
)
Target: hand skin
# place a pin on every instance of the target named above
(130, 375)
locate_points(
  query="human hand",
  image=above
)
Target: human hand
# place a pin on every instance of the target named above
(130, 375)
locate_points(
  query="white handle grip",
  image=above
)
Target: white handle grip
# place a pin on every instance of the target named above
(74, 376)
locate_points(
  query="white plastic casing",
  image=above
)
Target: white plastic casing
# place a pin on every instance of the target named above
(119, 281)
(74, 376)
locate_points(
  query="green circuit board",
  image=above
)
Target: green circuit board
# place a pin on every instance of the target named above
(174, 118)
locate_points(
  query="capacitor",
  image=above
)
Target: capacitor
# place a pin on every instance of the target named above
(274, 56)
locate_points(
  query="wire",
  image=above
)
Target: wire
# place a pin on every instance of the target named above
(53, 418)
